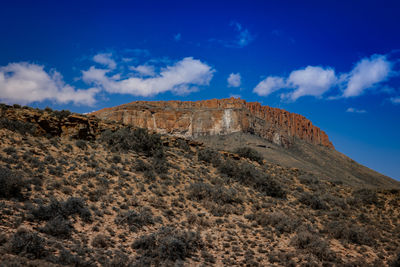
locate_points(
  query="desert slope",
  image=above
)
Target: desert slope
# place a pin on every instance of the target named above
(79, 191)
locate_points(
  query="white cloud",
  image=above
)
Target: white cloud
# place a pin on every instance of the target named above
(105, 59)
(177, 37)
(181, 78)
(313, 81)
(25, 83)
(395, 100)
(144, 70)
(354, 110)
(269, 85)
(234, 80)
(316, 81)
(367, 73)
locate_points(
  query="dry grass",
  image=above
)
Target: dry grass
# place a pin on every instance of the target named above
(89, 203)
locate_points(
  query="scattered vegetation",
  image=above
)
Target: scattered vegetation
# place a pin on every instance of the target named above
(127, 197)
(247, 174)
(136, 139)
(167, 246)
(135, 220)
(250, 153)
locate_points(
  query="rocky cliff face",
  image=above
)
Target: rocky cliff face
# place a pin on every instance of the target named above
(212, 117)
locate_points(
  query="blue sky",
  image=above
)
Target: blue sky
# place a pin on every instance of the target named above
(335, 62)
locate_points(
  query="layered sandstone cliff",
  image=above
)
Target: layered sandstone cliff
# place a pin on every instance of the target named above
(216, 117)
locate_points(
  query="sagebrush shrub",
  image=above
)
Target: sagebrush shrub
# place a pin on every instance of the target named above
(137, 139)
(135, 220)
(210, 156)
(58, 227)
(167, 246)
(18, 126)
(11, 184)
(249, 175)
(71, 206)
(252, 154)
(27, 243)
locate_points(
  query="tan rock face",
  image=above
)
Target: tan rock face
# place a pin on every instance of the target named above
(212, 117)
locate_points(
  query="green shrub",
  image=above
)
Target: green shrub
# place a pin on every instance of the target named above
(252, 154)
(81, 144)
(248, 175)
(215, 193)
(71, 206)
(167, 246)
(58, 227)
(11, 184)
(366, 196)
(312, 243)
(282, 222)
(351, 233)
(142, 166)
(101, 241)
(136, 139)
(135, 220)
(61, 114)
(18, 126)
(210, 156)
(216, 198)
(313, 200)
(160, 163)
(28, 244)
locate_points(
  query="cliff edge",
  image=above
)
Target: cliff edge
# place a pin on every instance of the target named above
(218, 117)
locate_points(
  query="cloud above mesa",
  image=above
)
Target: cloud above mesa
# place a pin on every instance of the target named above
(234, 80)
(181, 78)
(25, 83)
(316, 80)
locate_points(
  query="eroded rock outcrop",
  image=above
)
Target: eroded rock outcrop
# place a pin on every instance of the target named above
(57, 123)
(211, 117)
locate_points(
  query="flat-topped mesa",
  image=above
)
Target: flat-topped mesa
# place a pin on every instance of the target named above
(217, 117)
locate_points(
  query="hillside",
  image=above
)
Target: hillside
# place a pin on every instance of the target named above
(323, 162)
(78, 191)
(281, 137)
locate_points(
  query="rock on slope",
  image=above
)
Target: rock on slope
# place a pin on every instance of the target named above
(215, 117)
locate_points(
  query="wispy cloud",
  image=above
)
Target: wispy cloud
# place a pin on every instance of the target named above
(242, 38)
(395, 100)
(234, 80)
(366, 73)
(144, 70)
(25, 83)
(105, 59)
(316, 81)
(355, 110)
(181, 78)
